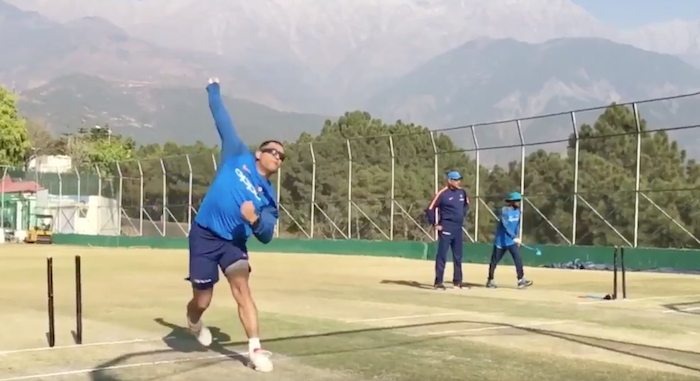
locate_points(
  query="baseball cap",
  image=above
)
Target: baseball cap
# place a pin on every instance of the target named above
(454, 175)
(514, 196)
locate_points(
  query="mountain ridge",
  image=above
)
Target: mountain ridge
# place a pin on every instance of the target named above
(504, 60)
(487, 81)
(38, 50)
(154, 114)
(487, 74)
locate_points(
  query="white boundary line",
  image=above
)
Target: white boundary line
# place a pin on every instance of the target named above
(115, 367)
(76, 346)
(498, 327)
(134, 341)
(219, 356)
(641, 299)
(407, 317)
(204, 358)
(681, 310)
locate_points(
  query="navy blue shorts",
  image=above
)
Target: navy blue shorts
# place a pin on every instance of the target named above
(208, 253)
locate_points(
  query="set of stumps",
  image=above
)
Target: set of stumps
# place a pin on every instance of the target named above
(78, 333)
(618, 266)
(619, 253)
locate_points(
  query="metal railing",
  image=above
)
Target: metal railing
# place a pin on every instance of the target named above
(585, 179)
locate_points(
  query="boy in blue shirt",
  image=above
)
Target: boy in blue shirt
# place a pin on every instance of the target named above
(507, 240)
(240, 203)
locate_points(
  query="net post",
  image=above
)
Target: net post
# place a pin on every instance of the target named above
(615, 273)
(624, 271)
(78, 301)
(51, 335)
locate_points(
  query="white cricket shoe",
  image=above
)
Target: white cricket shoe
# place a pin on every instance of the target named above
(201, 332)
(261, 360)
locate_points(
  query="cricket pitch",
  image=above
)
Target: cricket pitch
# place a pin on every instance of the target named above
(343, 318)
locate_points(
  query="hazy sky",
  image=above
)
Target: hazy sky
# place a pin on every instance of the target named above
(632, 13)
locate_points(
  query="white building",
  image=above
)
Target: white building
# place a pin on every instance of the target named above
(92, 215)
(59, 191)
(51, 164)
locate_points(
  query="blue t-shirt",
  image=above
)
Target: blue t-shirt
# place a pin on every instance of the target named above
(507, 226)
(237, 180)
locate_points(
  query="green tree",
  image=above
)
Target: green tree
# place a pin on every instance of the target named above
(97, 146)
(95, 154)
(606, 164)
(358, 148)
(42, 140)
(14, 142)
(359, 143)
(164, 171)
(607, 167)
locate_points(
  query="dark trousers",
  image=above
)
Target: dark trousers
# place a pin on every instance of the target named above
(497, 255)
(451, 238)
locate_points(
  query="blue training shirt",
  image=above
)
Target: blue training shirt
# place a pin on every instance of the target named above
(236, 181)
(507, 226)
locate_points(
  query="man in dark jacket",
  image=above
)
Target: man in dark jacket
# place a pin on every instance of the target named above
(451, 204)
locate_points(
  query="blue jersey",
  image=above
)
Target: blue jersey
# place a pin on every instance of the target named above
(507, 226)
(237, 181)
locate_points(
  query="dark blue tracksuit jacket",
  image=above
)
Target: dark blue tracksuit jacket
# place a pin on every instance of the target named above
(452, 206)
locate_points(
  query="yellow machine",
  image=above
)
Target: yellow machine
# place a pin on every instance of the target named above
(43, 232)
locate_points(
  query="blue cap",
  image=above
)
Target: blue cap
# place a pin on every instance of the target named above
(454, 175)
(514, 196)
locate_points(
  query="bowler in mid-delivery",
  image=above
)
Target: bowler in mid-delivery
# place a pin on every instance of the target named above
(239, 203)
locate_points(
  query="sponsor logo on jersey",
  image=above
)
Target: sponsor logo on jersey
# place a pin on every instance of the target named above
(248, 184)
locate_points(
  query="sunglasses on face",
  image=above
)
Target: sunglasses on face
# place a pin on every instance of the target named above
(274, 152)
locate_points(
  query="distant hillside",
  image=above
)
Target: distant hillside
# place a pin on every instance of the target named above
(488, 80)
(36, 50)
(154, 114)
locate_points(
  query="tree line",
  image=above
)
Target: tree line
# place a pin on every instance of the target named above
(605, 204)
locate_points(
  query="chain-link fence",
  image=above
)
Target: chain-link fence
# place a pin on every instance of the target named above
(614, 175)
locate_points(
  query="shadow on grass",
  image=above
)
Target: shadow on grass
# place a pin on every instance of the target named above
(676, 357)
(179, 340)
(425, 286)
(692, 308)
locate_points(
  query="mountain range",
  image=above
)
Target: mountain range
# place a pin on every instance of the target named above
(155, 114)
(438, 62)
(36, 50)
(488, 79)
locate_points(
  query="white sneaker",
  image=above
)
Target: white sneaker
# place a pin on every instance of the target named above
(261, 360)
(202, 333)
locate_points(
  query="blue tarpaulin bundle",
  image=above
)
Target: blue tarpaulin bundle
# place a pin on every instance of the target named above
(577, 264)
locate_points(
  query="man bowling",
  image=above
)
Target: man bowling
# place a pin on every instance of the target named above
(451, 204)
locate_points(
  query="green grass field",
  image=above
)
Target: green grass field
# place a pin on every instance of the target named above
(343, 318)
